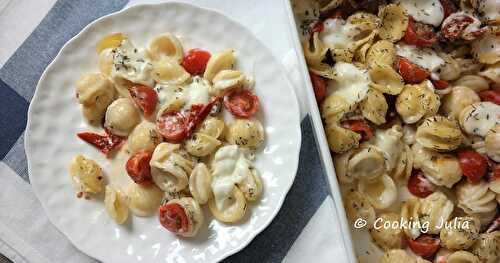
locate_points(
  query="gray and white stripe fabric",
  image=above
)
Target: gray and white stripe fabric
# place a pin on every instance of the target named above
(305, 226)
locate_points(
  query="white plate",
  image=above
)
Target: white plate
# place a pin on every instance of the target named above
(54, 118)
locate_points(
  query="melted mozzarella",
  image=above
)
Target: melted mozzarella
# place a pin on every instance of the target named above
(426, 11)
(351, 83)
(479, 118)
(337, 33)
(230, 167)
(132, 64)
(424, 57)
(196, 92)
(389, 143)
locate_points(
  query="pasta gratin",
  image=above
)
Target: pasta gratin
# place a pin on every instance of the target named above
(409, 94)
(162, 112)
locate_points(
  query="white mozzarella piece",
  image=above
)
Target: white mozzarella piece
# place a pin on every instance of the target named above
(337, 33)
(429, 12)
(132, 63)
(230, 167)
(196, 93)
(424, 57)
(351, 83)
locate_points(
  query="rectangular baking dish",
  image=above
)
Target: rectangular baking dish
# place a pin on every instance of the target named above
(320, 137)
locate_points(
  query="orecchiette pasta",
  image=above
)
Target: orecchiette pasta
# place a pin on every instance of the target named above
(386, 79)
(479, 118)
(95, 92)
(451, 69)
(388, 237)
(106, 61)
(382, 52)
(218, 62)
(492, 72)
(389, 143)
(245, 133)
(440, 169)
(227, 79)
(212, 126)
(170, 167)
(144, 137)
(374, 107)
(473, 82)
(132, 63)
(168, 71)
(487, 246)
(462, 235)
(462, 257)
(251, 185)
(234, 211)
(381, 192)
(410, 213)
(122, 116)
(417, 101)
(397, 256)
(116, 204)
(193, 212)
(435, 209)
(86, 175)
(394, 22)
(439, 133)
(487, 48)
(475, 198)
(144, 200)
(459, 98)
(367, 163)
(201, 144)
(492, 143)
(358, 206)
(112, 40)
(314, 52)
(339, 139)
(166, 46)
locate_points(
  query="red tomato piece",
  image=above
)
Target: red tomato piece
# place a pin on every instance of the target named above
(105, 143)
(319, 87)
(472, 164)
(440, 84)
(453, 28)
(174, 218)
(490, 95)
(241, 103)
(359, 126)
(145, 98)
(172, 126)
(419, 185)
(411, 73)
(448, 7)
(317, 27)
(495, 225)
(138, 167)
(425, 245)
(195, 61)
(419, 34)
(198, 113)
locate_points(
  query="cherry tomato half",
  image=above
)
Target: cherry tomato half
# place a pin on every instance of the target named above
(319, 87)
(440, 84)
(105, 143)
(195, 61)
(241, 103)
(472, 164)
(411, 73)
(172, 126)
(425, 245)
(173, 217)
(490, 95)
(138, 167)
(453, 28)
(419, 185)
(359, 126)
(419, 34)
(145, 98)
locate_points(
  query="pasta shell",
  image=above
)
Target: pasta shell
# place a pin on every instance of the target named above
(144, 137)
(341, 161)
(122, 116)
(440, 169)
(251, 186)
(463, 235)
(122, 86)
(479, 118)
(382, 52)
(227, 79)
(487, 247)
(86, 175)
(168, 71)
(487, 49)
(106, 61)
(332, 4)
(232, 213)
(116, 204)
(201, 144)
(245, 133)
(92, 86)
(199, 183)
(170, 167)
(404, 166)
(439, 133)
(166, 46)
(314, 51)
(409, 213)
(492, 72)
(144, 200)
(435, 209)
(388, 237)
(110, 41)
(492, 143)
(374, 107)
(459, 98)
(357, 206)
(360, 53)
(397, 256)
(394, 22)
(194, 215)
(451, 70)
(389, 143)
(381, 192)
(462, 257)
(340, 139)
(218, 62)
(386, 79)
(417, 101)
(367, 163)
(475, 198)
(212, 126)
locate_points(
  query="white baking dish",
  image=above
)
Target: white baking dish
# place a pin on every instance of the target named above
(320, 137)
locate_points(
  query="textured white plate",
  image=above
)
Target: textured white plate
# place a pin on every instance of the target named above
(54, 118)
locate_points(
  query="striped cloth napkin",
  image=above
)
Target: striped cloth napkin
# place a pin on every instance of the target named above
(305, 227)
